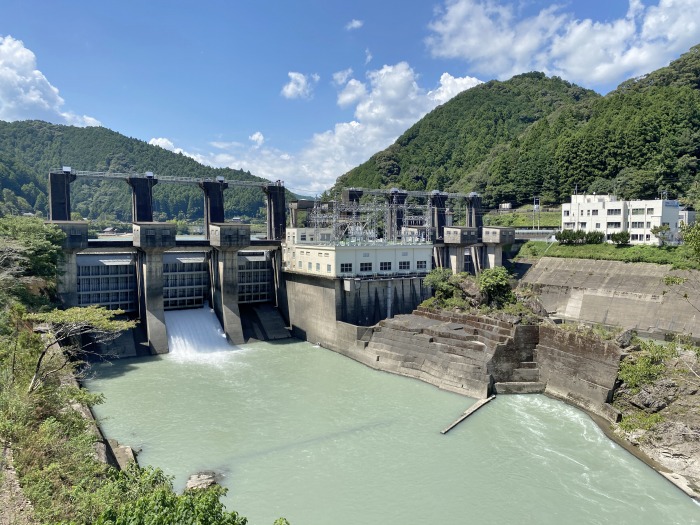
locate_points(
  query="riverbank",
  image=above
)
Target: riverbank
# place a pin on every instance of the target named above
(475, 355)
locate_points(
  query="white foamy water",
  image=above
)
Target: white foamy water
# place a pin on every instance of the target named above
(196, 336)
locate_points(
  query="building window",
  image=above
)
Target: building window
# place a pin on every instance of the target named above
(404, 265)
(650, 211)
(420, 265)
(566, 213)
(637, 211)
(365, 267)
(384, 266)
(597, 226)
(582, 212)
(614, 225)
(637, 225)
(345, 267)
(648, 237)
(328, 268)
(302, 236)
(309, 266)
(648, 225)
(582, 225)
(365, 254)
(594, 212)
(318, 267)
(615, 211)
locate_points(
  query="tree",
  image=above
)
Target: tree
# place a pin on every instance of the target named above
(37, 246)
(691, 237)
(663, 233)
(63, 330)
(620, 238)
(595, 237)
(494, 283)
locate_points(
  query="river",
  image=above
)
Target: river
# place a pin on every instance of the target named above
(301, 432)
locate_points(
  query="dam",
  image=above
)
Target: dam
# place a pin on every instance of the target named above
(330, 266)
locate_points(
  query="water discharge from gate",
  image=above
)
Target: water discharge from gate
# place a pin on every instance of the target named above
(304, 433)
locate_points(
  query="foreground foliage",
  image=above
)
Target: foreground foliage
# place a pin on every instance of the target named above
(41, 406)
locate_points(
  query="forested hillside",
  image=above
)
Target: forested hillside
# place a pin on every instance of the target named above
(533, 135)
(30, 149)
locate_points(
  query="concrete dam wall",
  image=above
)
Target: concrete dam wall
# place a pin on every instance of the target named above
(478, 356)
(613, 293)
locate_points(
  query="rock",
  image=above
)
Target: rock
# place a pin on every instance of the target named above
(471, 290)
(201, 480)
(648, 402)
(624, 339)
(123, 454)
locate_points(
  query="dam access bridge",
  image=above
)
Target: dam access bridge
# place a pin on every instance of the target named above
(358, 260)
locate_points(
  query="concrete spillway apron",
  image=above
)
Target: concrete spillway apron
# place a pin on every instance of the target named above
(476, 406)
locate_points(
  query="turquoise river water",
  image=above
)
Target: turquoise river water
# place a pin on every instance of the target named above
(301, 432)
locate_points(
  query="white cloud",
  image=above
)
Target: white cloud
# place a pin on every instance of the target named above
(488, 35)
(341, 77)
(25, 93)
(368, 56)
(353, 92)
(257, 139)
(386, 104)
(354, 24)
(300, 85)
(451, 86)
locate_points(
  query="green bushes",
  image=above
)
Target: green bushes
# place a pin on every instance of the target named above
(620, 238)
(570, 237)
(646, 366)
(461, 291)
(680, 257)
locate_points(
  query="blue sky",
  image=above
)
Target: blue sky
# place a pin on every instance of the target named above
(303, 91)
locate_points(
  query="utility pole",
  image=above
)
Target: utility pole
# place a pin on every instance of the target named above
(536, 211)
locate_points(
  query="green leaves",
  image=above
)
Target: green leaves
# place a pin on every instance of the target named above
(494, 283)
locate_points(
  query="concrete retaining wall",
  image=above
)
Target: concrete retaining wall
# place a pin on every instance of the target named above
(629, 295)
(478, 356)
(460, 353)
(315, 304)
(579, 369)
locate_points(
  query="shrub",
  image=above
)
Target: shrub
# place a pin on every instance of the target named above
(594, 237)
(620, 238)
(494, 283)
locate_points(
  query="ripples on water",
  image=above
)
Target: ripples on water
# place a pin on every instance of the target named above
(305, 433)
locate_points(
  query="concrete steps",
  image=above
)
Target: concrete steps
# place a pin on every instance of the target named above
(527, 372)
(519, 387)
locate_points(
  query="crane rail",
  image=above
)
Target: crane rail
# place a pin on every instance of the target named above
(170, 179)
(415, 193)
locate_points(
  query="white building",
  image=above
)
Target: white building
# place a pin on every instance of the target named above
(609, 215)
(302, 252)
